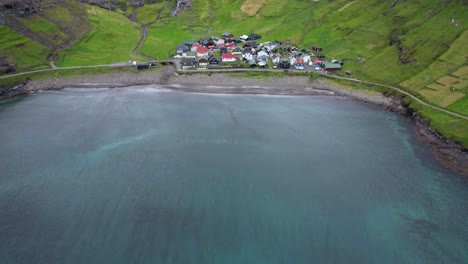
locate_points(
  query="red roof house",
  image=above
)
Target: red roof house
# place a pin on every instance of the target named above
(202, 51)
(228, 57)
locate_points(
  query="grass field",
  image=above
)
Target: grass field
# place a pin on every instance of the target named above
(148, 13)
(22, 52)
(112, 39)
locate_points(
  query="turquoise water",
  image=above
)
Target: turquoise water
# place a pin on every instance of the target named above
(139, 176)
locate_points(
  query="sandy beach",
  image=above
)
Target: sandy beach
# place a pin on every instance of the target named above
(201, 83)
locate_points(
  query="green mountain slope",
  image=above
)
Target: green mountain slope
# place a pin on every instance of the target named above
(33, 31)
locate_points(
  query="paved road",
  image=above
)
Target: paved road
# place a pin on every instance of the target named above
(176, 63)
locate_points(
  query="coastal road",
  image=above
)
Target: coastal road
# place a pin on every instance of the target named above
(176, 64)
(55, 69)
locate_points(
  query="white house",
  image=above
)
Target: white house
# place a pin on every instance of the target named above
(244, 37)
(248, 55)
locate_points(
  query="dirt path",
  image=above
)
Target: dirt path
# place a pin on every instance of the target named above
(345, 6)
(142, 40)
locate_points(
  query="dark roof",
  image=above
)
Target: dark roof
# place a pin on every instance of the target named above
(188, 61)
(182, 47)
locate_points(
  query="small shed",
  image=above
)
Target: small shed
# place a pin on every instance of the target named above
(227, 35)
(316, 48)
(142, 65)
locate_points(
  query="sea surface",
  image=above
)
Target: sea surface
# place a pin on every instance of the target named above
(142, 176)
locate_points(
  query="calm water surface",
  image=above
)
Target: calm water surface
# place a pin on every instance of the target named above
(138, 176)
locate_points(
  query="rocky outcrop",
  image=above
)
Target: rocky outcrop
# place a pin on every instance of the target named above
(448, 152)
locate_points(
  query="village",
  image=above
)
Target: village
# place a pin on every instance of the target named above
(247, 51)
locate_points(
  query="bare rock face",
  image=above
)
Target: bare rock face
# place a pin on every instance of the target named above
(23, 8)
(5, 66)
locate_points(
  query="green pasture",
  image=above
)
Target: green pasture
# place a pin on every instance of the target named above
(22, 52)
(112, 39)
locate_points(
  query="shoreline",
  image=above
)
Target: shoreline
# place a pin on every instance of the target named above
(447, 152)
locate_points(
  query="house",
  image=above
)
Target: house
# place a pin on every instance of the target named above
(206, 41)
(273, 45)
(318, 62)
(316, 48)
(292, 60)
(181, 48)
(262, 56)
(284, 63)
(217, 41)
(228, 57)
(237, 50)
(213, 61)
(248, 54)
(234, 40)
(202, 51)
(253, 36)
(230, 45)
(189, 54)
(275, 59)
(223, 50)
(227, 35)
(188, 63)
(244, 37)
(330, 67)
(195, 46)
(211, 47)
(252, 63)
(202, 62)
(252, 44)
(306, 58)
(189, 43)
(299, 64)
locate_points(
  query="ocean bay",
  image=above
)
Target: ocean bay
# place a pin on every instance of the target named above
(139, 176)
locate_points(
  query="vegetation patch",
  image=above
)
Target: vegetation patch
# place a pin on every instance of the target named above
(251, 7)
(19, 53)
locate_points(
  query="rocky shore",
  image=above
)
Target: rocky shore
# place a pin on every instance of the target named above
(449, 153)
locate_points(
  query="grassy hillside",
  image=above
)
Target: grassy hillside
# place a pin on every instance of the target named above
(20, 51)
(112, 39)
(32, 32)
